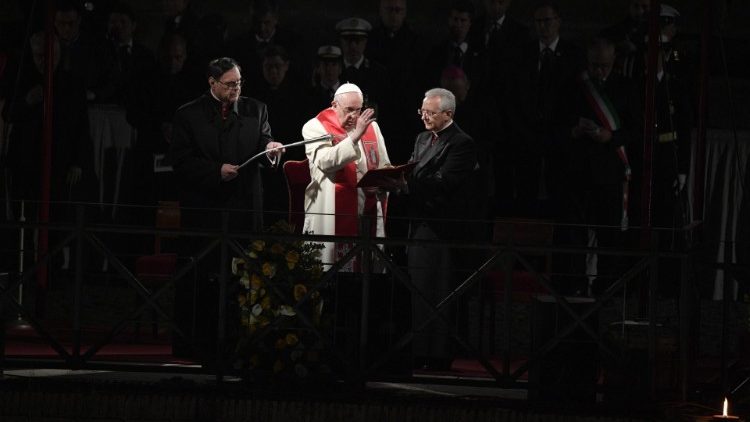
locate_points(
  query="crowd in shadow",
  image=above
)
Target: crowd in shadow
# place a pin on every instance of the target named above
(558, 122)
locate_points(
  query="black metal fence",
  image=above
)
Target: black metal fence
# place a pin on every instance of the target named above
(612, 341)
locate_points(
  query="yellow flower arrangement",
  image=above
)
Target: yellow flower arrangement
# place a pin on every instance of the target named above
(275, 281)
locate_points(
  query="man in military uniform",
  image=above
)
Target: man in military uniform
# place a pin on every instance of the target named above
(633, 62)
(369, 75)
(326, 76)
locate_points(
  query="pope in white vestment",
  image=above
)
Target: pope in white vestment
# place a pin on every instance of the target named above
(333, 203)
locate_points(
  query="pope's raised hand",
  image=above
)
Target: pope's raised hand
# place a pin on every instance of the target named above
(363, 121)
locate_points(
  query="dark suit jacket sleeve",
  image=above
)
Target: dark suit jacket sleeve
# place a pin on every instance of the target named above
(190, 165)
(265, 126)
(444, 184)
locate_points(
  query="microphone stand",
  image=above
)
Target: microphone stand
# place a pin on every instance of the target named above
(326, 137)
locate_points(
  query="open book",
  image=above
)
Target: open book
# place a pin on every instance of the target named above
(386, 177)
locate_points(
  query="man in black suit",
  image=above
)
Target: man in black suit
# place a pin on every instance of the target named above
(601, 123)
(438, 188)
(457, 48)
(530, 165)
(496, 36)
(278, 92)
(369, 75)
(211, 136)
(402, 51)
(126, 63)
(629, 33)
(265, 31)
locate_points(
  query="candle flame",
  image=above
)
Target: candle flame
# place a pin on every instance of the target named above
(726, 407)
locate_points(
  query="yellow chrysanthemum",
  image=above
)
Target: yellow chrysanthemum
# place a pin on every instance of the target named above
(292, 257)
(256, 282)
(258, 245)
(254, 361)
(300, 290)
(245, 282)
(277, 248)
(292, 339)
(269, 269)
(237, 265)
(280, 344)
(265, 303)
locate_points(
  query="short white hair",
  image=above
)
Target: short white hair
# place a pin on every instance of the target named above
(447, 99)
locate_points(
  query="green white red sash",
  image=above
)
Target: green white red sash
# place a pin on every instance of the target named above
(625, 186)
(599, 101)
(609, 118)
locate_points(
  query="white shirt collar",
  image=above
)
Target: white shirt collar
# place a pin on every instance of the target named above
(356, 65)
(265, 40)
(552, 46)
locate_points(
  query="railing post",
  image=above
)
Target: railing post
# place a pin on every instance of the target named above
(4, 283)
(685, 324)
(223, 274)
(508, 262)
(652, 292)
(77, 303)
(366, 266)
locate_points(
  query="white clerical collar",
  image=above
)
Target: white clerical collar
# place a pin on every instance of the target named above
(356, 65)
(232, 105)
(552, 46)
(447, 125)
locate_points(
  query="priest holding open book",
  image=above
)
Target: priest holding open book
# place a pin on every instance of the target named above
(333, 200)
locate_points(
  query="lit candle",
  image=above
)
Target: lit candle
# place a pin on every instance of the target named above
(725, 416)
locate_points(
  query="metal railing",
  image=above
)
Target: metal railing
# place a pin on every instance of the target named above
(502, 257)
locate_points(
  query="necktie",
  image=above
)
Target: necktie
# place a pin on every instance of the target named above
(224, 111)
(545, 67)
(458, 55)
(123, 57)
(490, 32)
(433, 138)
(545, 75)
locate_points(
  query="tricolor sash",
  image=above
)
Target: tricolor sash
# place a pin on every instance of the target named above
(609, 118)
(345, 181)
(599, 101)
(625, 187)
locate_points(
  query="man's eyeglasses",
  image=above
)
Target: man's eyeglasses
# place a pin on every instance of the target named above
(232, 84)
(428, 113)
